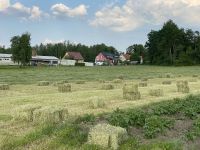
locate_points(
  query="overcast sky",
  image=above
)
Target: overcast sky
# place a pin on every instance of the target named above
(119, 23)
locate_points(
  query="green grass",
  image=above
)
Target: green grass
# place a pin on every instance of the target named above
(34, 74)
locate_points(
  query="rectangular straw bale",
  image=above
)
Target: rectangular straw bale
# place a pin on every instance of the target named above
(167, 82)
(43, 83)
(156, 92)
(131, 92)
(96, 102)
(143, 84)
(182, 86)
(107, 86)
(4, 87)
(64, 88)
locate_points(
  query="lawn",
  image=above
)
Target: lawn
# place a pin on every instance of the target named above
(86, 84)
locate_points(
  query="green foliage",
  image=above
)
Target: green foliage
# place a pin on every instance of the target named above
(155, 124)
(194, 133)
(21, 49)
(87, 118)
(91, 147)
(79, 64)
(130, 144)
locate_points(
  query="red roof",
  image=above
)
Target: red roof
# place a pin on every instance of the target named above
(73, 55)
(127, 56)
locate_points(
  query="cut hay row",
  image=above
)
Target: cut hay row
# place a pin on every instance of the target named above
(96, 102)
(107, 86)
(117, 81)
(183, 87)
(43, 83)
(4, 87)
(167, 82)
(80, 82)
(131, 92)
(60, 82)
(64, 88)
(156, 92)
(107, 136)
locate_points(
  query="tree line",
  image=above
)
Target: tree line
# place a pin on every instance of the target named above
(170, 45)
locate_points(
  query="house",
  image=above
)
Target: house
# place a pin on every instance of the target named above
(106, 58)
(74, 56)
(125, 57)
(44, 60)
(6, 59)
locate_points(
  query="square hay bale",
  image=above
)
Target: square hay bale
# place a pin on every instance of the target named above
(143, 84)
(169, 75)
(60, 82)
(25, 112)
(182, 86)
(130, 92)
(50, 114)
(4, 87)
(195, 75)
(107, 136)
(43, 83)
(156, 92)
(144, 79)
(80, 82)
(168, 82)
(107, 86)
(102, 81)
(96, 102)
(117, 81)
(64, 88)
(121, 77)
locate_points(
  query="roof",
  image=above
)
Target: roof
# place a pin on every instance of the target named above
(127, 56)
(108, 55)
(5, 55)
(73, 55)
(44, 58)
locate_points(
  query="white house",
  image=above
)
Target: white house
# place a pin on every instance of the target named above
(6, 59)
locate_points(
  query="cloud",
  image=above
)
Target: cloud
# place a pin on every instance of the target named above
(23, 12)
(48, 41)
(4, 4)
(63, 10)
(136, 13)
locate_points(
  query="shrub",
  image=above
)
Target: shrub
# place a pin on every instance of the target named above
(156, 92)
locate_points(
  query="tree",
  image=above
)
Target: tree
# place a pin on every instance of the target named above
(21, 49)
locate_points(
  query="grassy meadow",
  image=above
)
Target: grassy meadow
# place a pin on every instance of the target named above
(87, 83)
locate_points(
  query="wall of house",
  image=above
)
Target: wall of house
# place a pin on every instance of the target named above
(100, 58)
(89, 64)
(67, 62)
(6, 61)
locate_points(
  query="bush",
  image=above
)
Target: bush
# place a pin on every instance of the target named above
(80, 64)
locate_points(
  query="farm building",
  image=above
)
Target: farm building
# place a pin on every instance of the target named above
(44, 60)
(6, 59)
(106, 58)
(74, 56)
(124, 57)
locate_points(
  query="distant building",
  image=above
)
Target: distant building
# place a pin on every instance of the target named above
(6, 59)
(44, 60)
(74, 56)
(125, 57)
(106, 58)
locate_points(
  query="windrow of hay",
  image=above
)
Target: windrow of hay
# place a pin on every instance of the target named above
(60, 82)
(4, 87)
(107, 86)
(64, 88)
(50, 114)
(131, 92)
(43, 83)
(25, 112)
(96, 102)
(192, 80)
(107, 136)
(182, 86)
(167, 82)
(156, 92)
(143, 84)
(117, 81)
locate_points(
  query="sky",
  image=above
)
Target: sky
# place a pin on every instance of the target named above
(118, 23)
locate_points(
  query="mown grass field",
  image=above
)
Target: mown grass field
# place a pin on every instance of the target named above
(24, 92)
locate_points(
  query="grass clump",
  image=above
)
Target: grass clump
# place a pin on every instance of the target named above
(43, 83)
(194, 133)
(156, 92)
(107, 136)
(96, 102)
(107, 87)
(131, 92)
(167, 82)
(143, 84)
(4, 87)
(64, 88)
(182, 86)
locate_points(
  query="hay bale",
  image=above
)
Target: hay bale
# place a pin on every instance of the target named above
(102, 81)
(117, 81)
(182, 86)
(167, 82)
(43, 83)
(143, 84)
(144, 79)
(130, 92)
(121, 77)
(4, 87)
(80, 82)
(107, 86)
(156, 92)
(25, 112)
(107, 136)
(50, 114)
(195, 75)
(168, 75)
(96, 102)
(64, 88)
(60, 82)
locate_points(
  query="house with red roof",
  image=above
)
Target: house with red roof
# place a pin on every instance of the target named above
(74, 56)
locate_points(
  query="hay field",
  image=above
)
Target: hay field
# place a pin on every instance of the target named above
(24, 90)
